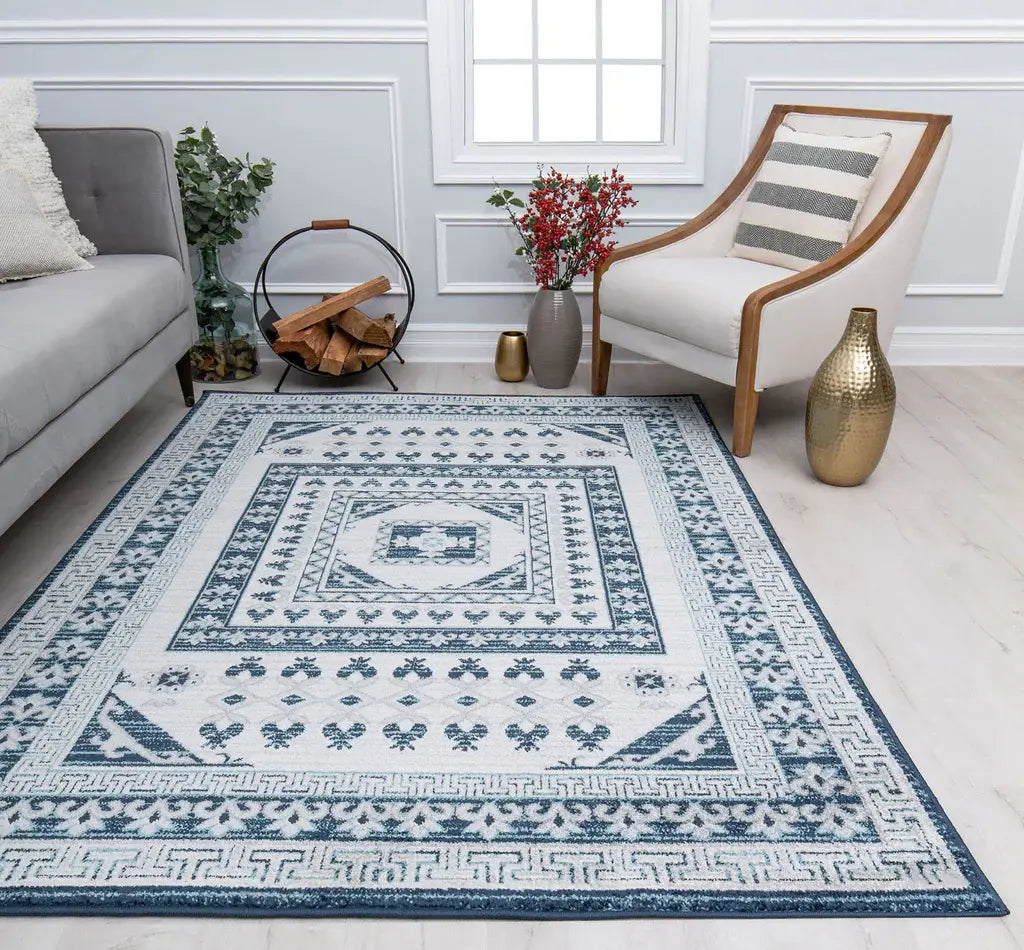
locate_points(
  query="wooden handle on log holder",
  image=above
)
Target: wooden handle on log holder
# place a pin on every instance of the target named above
(329, 224)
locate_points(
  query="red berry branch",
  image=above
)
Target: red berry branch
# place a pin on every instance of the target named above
(566, 224)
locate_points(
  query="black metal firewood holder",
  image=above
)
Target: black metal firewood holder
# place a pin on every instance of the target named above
(270, 316)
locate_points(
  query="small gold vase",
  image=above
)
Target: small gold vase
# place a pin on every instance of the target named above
(510, 360)
(851, 405)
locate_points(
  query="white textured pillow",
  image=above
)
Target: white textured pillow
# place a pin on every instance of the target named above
(807, 196)
(29, 246)
(22, 149)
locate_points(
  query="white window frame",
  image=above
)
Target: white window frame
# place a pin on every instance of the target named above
(677, 159)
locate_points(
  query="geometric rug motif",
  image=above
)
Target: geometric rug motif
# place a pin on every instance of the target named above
(450, 655)
(457, 557)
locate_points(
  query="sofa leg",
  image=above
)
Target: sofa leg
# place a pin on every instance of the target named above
(744, 418)
(184, 368)
(601, 363)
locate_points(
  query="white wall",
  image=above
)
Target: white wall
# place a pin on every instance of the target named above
(337, 94)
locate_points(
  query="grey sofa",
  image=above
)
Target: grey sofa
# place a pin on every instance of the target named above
(78, 350)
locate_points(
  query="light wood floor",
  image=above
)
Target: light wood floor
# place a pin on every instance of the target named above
(921, 571)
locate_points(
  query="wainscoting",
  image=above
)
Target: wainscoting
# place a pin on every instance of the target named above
(342, 104)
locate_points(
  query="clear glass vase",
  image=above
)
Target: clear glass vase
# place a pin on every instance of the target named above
(226, 350)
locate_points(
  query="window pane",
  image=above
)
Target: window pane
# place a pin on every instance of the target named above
(502, 29)
(568, 103)
(631, 29)
(502, 103)
(631, 101)
(566, 29)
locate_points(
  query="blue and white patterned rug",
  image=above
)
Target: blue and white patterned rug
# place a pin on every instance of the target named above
(450, 655)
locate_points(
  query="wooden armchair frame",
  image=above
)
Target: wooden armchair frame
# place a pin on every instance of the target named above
(746, 398)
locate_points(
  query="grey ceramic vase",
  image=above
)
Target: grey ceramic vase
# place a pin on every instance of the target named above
(554, 335)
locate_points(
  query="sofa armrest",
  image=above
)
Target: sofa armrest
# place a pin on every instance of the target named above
(121, 187)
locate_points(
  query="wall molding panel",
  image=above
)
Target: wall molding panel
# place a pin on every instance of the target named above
(386, 85)
(444, 223)
(139, 30)
(831, 30)
(1015, 207)
(344, 30)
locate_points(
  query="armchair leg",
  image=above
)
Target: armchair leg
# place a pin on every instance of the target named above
(744, 418)
(601, 363)
(184, 368)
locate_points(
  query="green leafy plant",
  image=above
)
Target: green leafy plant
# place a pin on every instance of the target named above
(218, 193)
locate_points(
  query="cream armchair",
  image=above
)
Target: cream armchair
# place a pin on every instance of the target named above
(678, 298)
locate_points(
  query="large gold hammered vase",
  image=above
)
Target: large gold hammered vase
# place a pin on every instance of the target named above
(851, 405)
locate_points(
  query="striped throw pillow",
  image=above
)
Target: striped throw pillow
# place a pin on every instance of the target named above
(807, 195)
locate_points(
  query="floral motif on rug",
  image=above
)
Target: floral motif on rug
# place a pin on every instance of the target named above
(450, 655)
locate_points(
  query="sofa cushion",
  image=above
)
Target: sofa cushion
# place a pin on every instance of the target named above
(29, 246)
(59, 336)
(695, 299)
(22, 149)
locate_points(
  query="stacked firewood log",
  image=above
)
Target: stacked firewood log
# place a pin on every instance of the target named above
(334, 335)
